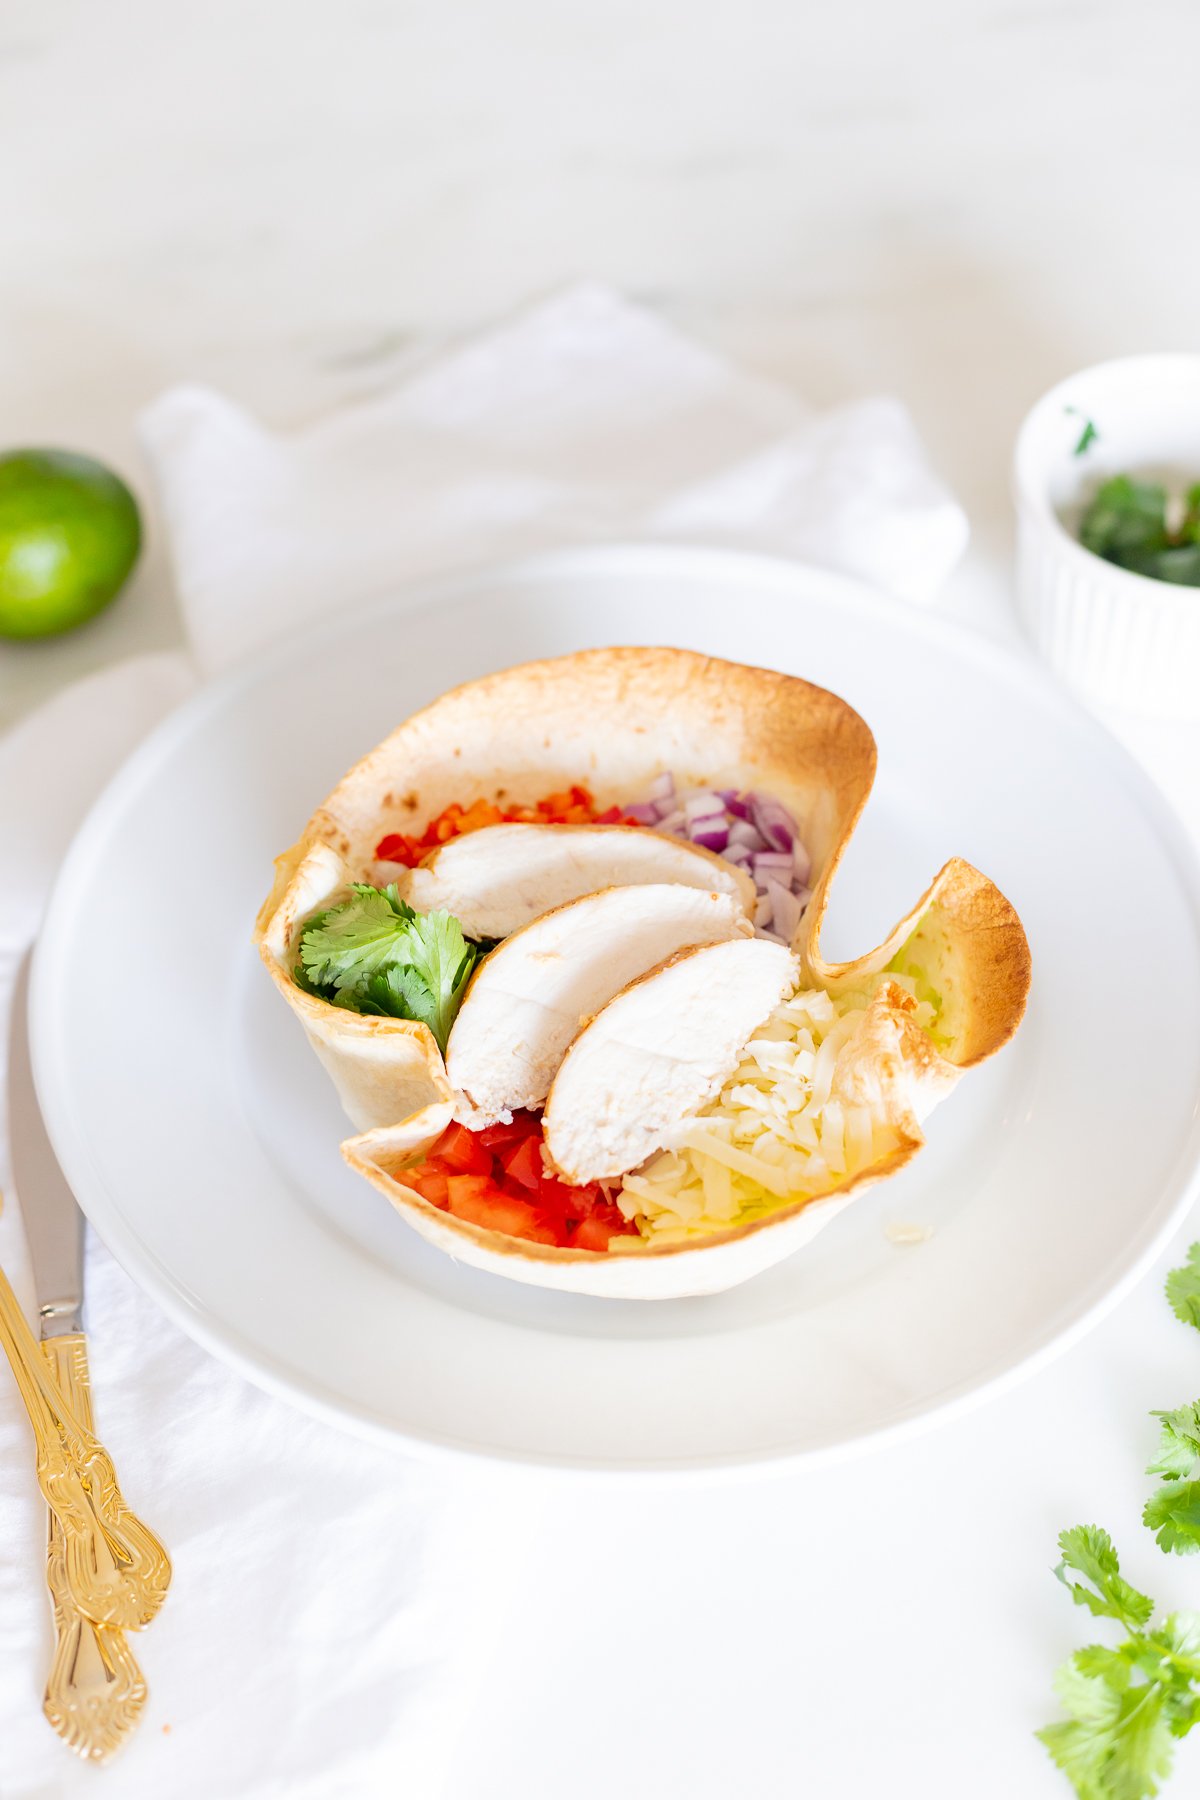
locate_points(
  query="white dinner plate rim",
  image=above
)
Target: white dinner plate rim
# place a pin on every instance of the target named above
(272, 1373)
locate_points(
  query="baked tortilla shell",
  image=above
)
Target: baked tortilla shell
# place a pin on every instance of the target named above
(612, 720)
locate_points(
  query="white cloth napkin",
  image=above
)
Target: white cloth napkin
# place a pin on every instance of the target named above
(334, 1606)
(583, 418)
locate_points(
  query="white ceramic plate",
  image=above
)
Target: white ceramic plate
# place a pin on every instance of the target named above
(202, 1137)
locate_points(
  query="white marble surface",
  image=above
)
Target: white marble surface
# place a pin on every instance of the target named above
(956, 202)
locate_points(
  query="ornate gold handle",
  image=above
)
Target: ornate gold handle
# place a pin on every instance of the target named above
(116, 1569)
(95, 1691)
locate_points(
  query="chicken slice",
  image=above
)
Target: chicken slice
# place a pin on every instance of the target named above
(658, 1052)
(537, 990)
(496, 880)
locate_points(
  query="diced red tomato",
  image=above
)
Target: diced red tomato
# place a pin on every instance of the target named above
(557, 1197)
(593, 1233)
(480, 1203)
(496, 1178)
(501, 1137)
(466, 1191)
(430, 1183)
(462, 1153)
(523, 1163)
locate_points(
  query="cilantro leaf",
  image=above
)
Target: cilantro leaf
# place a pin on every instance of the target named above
(1089, 1552)
(1082, 1745)
(1179, 1637)
(1126, 523)
(1178, 563)
(1126, 516)
(344, 945)
(1112, 1666)
(1173, 1514)
(442, 958)
(396, 992)
(1183, 1284)
(373, 954)
(301, 978)
(1115, 1745)
(1142, 1751)
(1179, 1447)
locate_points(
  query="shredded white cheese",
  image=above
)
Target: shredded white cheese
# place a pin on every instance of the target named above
(773, 1135)
(906, 1235)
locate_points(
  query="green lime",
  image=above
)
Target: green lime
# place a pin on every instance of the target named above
(69, 535)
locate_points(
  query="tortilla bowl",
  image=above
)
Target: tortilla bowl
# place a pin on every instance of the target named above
(613, 720)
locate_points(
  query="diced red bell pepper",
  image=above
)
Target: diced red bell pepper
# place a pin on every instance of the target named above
(571, 806)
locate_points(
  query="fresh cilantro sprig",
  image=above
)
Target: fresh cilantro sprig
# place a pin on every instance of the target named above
(1126, 1705)
(1173, 1510)
(1126, 523)
(374, 954)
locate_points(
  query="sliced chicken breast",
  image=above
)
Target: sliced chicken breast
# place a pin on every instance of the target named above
(658, 1052)
(496, 880)
(537, 990)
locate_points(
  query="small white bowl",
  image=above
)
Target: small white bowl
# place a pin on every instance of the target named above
(1121, 639)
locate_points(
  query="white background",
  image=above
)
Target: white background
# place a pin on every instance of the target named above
(957, 202)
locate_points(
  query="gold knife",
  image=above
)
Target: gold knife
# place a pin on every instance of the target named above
(106, 1571)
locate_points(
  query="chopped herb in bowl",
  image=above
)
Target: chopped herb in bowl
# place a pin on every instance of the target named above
(1138, 526)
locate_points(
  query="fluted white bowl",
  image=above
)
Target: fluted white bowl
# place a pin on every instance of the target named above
(1118, 638)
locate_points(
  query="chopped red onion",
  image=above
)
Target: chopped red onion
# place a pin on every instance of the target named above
(785, 909)
(776, 863)
(753, 831)
(775, 823)
(742, 832)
